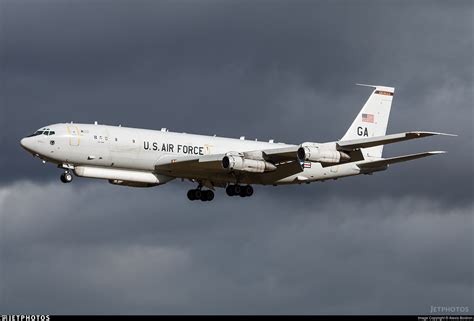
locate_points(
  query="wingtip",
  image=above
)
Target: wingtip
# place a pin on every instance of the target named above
(438, 152)
(428, 133)
(446, 134)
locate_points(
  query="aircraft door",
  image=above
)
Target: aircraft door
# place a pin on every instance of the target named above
(73, 132)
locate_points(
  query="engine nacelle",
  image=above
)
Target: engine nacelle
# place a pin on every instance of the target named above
(238, 163)
(317, 153)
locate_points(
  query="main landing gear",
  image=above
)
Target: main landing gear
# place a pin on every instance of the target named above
(199, 194)
(66, 177)
(242, 191)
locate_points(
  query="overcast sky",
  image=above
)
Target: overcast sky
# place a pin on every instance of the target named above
(398, 241)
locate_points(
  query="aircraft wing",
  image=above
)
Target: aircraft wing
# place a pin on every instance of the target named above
(354, 144)
(387, 161)
(176, 163)
(279, 155)
(284, 158)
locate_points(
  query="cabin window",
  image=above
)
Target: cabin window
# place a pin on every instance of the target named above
(95, 136)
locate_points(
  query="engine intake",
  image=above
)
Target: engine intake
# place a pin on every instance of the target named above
(238, 163)
(316, 153)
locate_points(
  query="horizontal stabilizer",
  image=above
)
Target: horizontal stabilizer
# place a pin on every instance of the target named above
(350, 145)
(394, 160)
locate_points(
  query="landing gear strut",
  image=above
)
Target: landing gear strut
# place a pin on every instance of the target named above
(199, 194)
(243, 191)
(66, 177)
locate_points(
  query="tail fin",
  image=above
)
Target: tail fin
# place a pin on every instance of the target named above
(372, 119)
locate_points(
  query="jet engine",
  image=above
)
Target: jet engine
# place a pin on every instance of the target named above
(321, 154)
(238, 163)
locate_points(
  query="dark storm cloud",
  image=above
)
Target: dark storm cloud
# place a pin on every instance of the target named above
(268, 69)
(67, 250)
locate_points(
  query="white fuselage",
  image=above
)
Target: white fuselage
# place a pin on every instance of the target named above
(115, 147)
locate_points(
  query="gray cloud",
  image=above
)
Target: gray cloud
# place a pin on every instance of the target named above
(279, 69)
(80, 250)
(283, 71)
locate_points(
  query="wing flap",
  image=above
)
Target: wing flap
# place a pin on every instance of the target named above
(394, 160)
(171, 163)
(350, 145)
(279, 155)
(284, 158)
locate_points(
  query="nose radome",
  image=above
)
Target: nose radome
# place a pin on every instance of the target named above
(26, 143)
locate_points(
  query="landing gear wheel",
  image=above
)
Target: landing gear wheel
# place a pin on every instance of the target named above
(198, 194)
(66, 177)
(207, 196)
(237, 189)
(242, 191)
(191, 195)
(230, 190)
(246, 191)
(210, 195)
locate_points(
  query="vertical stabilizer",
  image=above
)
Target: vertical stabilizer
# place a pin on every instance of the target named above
(372, 119)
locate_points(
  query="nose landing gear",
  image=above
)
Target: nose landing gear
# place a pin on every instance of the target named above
(66, 177)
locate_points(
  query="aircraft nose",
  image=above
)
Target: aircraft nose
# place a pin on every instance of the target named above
(26, 143)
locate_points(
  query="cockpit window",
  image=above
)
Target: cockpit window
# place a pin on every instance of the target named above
(39, 132)
(46, 132)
